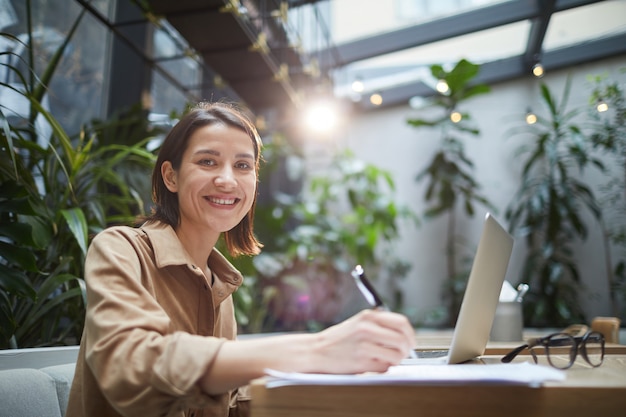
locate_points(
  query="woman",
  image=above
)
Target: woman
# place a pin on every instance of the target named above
(159, 337)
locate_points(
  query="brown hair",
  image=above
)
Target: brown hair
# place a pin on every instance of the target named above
(240, 240)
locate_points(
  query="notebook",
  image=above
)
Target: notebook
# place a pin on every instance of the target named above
(478, 308)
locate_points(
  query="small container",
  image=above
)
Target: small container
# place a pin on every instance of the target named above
(508, 322)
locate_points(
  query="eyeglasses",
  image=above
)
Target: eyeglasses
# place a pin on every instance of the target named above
(561, 349)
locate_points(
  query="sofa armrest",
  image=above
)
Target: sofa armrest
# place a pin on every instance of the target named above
(27, 392)
(62, 376)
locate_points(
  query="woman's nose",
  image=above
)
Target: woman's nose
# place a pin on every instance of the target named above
(225, 177)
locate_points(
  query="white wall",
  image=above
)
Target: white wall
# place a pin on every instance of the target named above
(383, 138)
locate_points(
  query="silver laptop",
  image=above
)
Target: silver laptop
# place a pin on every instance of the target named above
(471, 332)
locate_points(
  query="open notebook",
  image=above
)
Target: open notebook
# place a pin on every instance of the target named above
(480, 300)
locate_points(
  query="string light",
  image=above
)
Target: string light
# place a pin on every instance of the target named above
(442, 86)
(538, 70)
(376, 99)
(455, 116)
(358, 86)
(321, 117)
(602, 106)
(531, 118)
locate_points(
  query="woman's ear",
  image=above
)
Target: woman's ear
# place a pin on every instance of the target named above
(169, 176)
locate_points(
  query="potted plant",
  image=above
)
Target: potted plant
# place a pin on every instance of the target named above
(55, 191)
(607, 111)
(449, 176)
(547, 210)
(341, 218)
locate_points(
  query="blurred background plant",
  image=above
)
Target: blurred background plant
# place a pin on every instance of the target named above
(607, 113)
(548, 210)
(315, 236)
(55, 191)
(449, 174)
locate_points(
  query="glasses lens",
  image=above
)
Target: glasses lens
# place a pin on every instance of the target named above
(561, 350)
(594, 348)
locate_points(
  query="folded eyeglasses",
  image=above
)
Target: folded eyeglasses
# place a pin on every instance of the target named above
(561, 349)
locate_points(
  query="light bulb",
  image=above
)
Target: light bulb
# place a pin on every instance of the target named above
(531, 118)
(442, 86)
(357, 86)
(376, 99)
(321, 117)
(538, 70)
(602, 106)
(455, 116)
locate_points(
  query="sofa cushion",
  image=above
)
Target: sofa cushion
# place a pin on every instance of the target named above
(62, 376)
(28, 393)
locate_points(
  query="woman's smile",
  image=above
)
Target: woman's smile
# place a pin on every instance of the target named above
(223, 201)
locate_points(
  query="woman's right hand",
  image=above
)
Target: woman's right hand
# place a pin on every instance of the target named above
(371, 340)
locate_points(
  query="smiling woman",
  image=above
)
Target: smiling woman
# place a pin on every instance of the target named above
(160, 329)
(187, 146)
(215, 181)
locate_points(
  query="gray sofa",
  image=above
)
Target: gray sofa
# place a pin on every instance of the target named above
(36, 382)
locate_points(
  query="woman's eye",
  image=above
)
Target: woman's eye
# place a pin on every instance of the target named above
(207, 162)
(243, 165)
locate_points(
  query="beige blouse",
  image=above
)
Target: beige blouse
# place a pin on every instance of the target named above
(154, 324)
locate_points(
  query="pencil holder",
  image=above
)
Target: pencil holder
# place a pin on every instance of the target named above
(508, 322)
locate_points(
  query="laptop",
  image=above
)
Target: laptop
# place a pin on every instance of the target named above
(480, 300)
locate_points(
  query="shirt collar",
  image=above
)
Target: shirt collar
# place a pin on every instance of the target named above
(169, 251)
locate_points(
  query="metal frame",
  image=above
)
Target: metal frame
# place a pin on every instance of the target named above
(539, 12)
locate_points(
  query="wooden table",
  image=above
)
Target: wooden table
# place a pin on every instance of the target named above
(595, 392)
(440, 339)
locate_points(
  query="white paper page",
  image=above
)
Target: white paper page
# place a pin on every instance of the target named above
(518, 373)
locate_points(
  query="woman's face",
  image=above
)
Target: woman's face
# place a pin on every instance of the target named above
(216, 182)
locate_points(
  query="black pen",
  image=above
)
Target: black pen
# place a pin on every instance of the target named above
(370, 294)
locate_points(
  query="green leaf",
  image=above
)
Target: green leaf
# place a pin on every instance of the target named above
(77, 223)
(15, 282)
(20, 233)
(21, 257)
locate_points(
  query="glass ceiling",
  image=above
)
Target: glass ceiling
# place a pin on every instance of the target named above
(356, 19)
(353, 20)
(585, 23)
(388, 45)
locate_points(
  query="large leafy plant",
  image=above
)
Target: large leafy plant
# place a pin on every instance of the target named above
(548, 210)
(55, 191)
(608, 135)
(345, 216)
(449, 174)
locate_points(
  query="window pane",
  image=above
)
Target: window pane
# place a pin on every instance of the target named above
(75, 92)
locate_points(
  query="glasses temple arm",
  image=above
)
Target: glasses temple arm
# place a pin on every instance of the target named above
(512, 354)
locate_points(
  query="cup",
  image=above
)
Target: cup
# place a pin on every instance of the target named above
(508, 322)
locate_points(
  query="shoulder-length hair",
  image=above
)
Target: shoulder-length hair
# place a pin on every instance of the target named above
(240, 240)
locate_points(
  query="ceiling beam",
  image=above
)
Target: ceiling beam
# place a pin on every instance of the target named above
(445, 28)
(538, 29)
(511, 68)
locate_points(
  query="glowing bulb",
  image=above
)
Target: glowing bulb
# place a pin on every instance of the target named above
(538, 70)
(321, 118)
(357, 86)
(531, 119)
(455, 116)
(376, 99)
(442, 86)
(602, 106)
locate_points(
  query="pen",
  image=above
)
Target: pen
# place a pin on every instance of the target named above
(370, 294)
